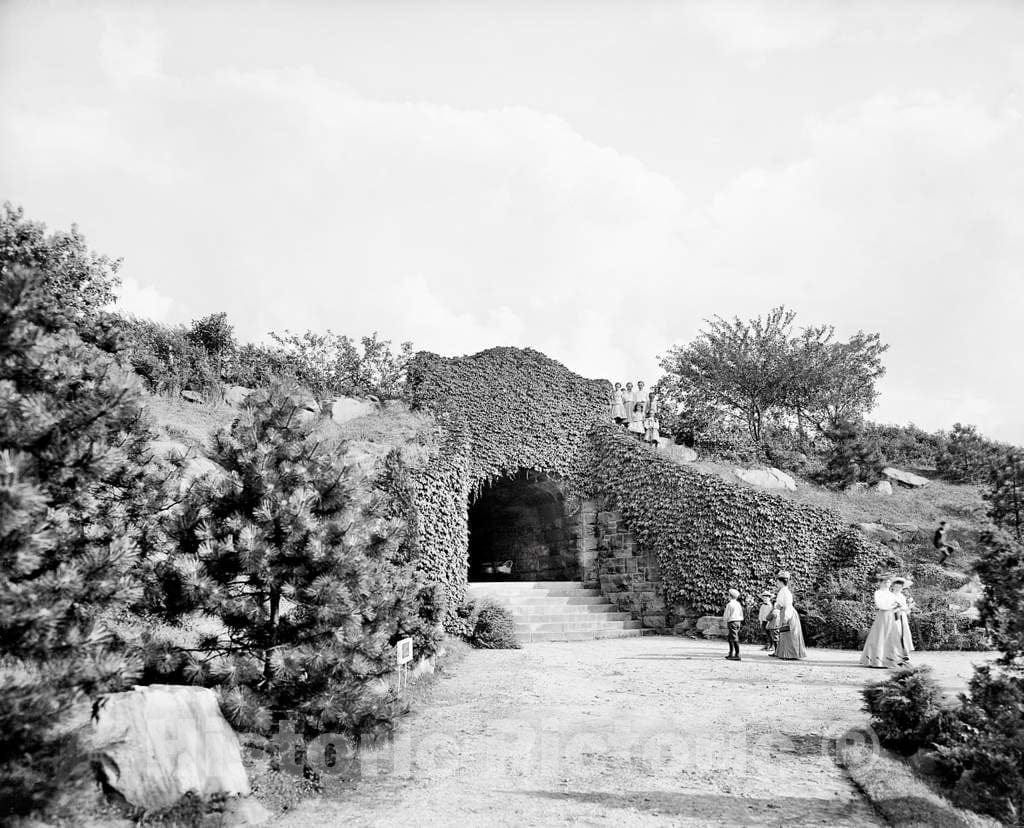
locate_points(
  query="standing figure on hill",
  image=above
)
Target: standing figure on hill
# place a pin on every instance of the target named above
(791, 634)
(882, 646)
(733, 618)
(651, 428)
(636, 419)
(618, 404)
(640, 396)
(940, 543)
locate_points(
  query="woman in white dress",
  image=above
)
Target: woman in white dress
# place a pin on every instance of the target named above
(791, 635)
(901, 628)
(878, 648)
(618, 404)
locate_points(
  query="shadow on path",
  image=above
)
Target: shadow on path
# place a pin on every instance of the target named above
(723, 809)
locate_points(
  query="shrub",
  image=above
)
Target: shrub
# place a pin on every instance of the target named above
(904, 709)
(906, 445)
(845, 624)
(982, 756)
(1006, 493)
(495, 628)
(295, 555)
(946, 629)
(967, 456)
(77, 500)
(1001, 568)
(462, 620)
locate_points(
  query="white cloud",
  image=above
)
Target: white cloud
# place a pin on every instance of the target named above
(144, 301)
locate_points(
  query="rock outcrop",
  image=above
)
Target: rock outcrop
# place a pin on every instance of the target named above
(766, 478)
(905, 478)
(344, 409)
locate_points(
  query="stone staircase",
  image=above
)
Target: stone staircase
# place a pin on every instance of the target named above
(557, 610)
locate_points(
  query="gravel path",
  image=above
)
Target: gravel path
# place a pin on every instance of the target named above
(648, 731)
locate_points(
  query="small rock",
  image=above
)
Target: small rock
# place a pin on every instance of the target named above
(913, 528)
(882, 487)
(192, 396)
(857, 488)
(244, 810)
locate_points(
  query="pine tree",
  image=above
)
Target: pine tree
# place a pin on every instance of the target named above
(853, 457)
(1006, 494)
(76, 512)
(295, 556)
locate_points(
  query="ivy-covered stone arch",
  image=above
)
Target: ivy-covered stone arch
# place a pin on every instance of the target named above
(504, 410)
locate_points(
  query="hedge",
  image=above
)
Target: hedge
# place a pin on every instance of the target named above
(710, 535)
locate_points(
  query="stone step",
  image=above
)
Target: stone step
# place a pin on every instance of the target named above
(574, 617)
(550, 601)
(574, 626)
(591, 635)
(577, 591)
(561, 609)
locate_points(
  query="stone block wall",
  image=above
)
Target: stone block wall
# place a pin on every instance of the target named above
(612, 561)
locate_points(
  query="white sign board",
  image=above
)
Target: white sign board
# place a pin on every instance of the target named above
(403, 651)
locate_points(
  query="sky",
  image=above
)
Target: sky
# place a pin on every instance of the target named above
(593, 180)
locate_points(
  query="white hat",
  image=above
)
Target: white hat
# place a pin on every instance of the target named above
(735, 593)
(783, 573)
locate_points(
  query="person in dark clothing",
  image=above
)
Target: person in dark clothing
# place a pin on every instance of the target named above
(939, 542)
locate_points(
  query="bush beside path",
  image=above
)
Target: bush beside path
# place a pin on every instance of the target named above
(650, 731)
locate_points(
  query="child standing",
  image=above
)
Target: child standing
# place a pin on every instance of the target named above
(651, 426)
(733, 618)
(766, 616)
(636, 420)
(618, 404)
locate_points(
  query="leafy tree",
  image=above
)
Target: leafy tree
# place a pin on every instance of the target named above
(853, 457)
(297, 558)
(81, 282)
(742, 368)
(331, 364)
(78, 506)
(760, 372)
(1001, 568)
(1006, 494)
(214, 335)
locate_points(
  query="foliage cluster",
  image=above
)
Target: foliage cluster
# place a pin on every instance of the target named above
(751, 372)
(978, 746)
(966, 456)
(299, 558)
(852, 457)
(710, 535)
(494, 628)
(79, 502)
(906, 445)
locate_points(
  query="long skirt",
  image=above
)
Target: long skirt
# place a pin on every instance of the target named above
(889, 642)
(791, 643)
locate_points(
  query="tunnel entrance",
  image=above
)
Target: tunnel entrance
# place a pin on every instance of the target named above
(520, 523)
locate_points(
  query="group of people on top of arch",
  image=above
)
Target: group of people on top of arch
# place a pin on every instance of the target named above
(637, 410)
(889, 642)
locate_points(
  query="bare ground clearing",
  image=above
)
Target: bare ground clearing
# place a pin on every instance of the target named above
(648, 731)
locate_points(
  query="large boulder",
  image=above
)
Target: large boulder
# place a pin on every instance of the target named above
(905, 478)
(235, 395)
(766, 478)
(158, 743)
(344, 409)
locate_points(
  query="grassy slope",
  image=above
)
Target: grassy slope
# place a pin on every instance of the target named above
(961, 505)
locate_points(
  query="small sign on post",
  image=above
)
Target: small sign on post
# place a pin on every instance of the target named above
(403, 656)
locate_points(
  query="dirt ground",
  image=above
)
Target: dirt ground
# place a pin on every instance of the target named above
(643, 731)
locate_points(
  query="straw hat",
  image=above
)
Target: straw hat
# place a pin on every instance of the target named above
(906, 581)
(734, 593)
(767, 593)
(783, 573)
